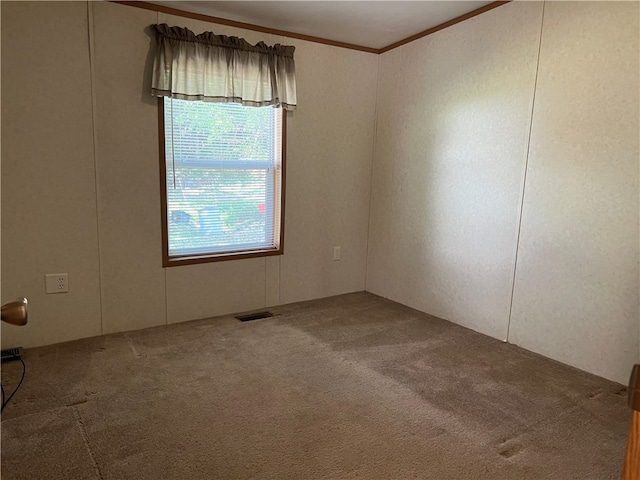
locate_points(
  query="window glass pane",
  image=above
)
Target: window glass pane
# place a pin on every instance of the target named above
(223, 167)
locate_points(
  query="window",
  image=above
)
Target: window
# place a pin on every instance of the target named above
(222, 169)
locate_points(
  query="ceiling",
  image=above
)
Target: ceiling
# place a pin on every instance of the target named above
(373, 24)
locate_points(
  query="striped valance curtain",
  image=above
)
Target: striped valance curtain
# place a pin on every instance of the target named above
(218, 68)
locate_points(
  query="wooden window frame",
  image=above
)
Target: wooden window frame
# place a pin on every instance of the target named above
(174, 261)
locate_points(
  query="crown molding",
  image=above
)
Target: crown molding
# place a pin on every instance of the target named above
(310, 38)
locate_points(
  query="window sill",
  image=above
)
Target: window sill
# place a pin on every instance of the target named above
(220, 257)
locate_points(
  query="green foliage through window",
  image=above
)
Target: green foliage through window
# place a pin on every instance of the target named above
(222, 177)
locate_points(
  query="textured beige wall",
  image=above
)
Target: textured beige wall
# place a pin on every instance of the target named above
(48, 177)
(453, 121)
(114, 256)
(328, 174)
(576, 289)
(454, 113)
(132, 277)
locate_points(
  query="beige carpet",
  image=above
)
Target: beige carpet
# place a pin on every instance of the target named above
(353, 386)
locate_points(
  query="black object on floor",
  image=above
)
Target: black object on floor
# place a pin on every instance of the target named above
(11, 353)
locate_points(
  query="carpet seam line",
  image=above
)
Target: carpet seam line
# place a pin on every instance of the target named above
(85, 439)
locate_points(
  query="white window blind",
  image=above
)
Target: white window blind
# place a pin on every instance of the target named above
(223, 177)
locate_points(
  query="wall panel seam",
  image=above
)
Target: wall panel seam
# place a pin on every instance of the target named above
(90, 39)
(524, 179)
(164, 269)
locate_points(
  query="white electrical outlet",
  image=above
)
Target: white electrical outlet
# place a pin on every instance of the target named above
(56, 283)
(336, 253)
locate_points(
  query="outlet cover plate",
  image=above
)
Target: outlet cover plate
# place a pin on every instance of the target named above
(56, 283)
